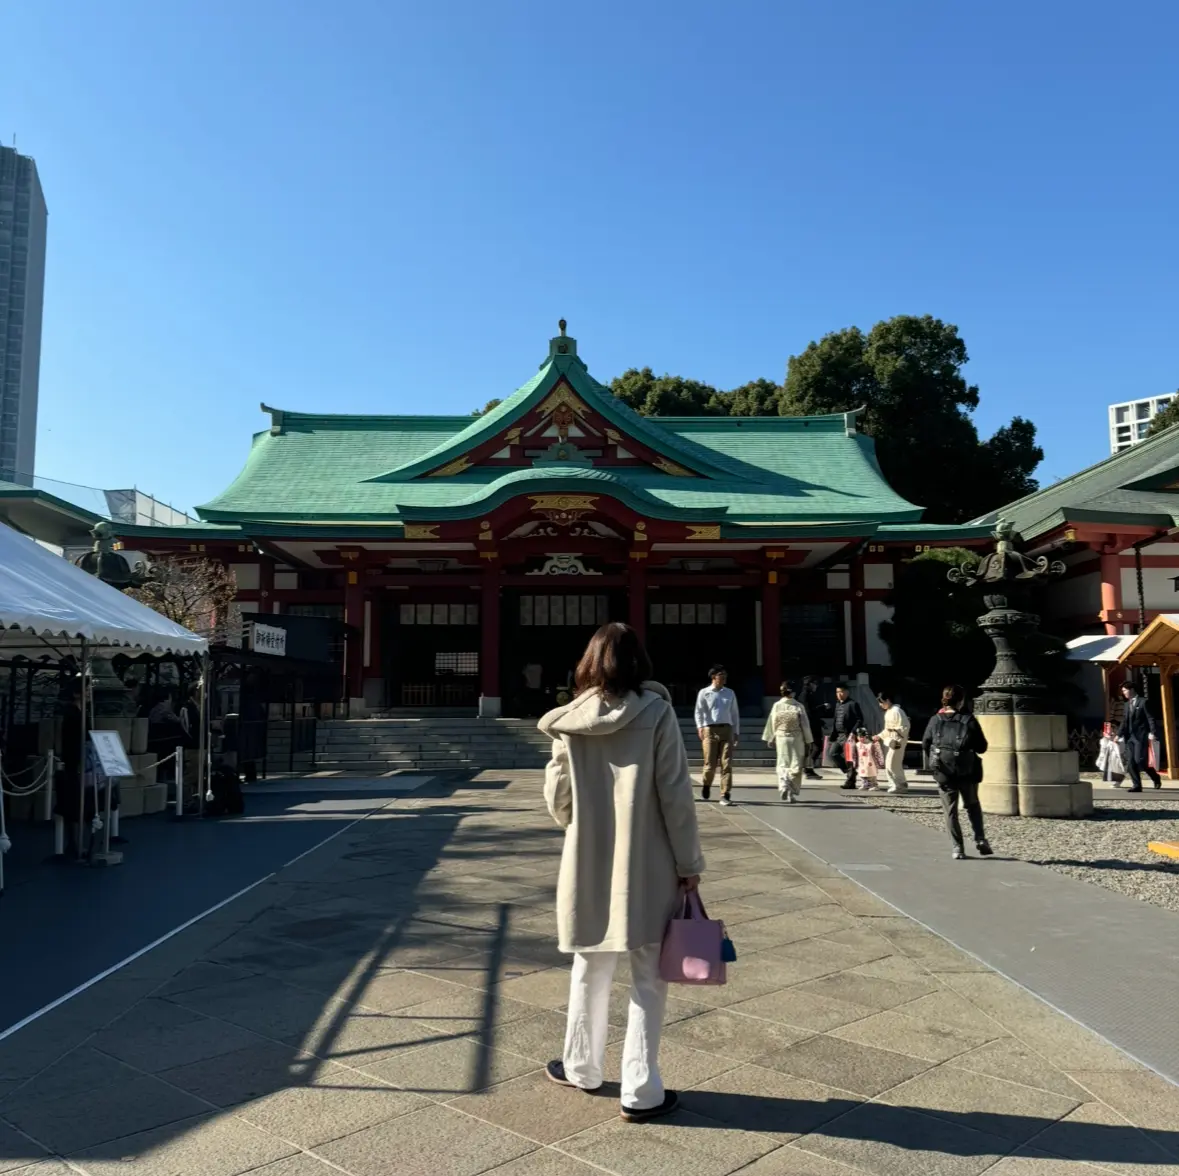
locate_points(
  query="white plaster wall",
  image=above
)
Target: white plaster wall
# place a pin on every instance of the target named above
(878, 576)
(1158, 586)
(246, 576)
(876, 611)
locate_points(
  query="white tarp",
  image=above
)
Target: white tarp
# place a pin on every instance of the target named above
(1098, 647)
(42, 594)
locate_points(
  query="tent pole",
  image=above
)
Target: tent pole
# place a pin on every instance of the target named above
(82, 751)
(203, 740)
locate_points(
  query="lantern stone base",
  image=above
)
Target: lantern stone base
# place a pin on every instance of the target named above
(1029, 770)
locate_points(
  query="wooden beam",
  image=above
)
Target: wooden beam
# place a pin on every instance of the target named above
(1166, 670)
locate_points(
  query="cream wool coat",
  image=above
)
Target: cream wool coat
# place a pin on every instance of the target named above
(618, 784)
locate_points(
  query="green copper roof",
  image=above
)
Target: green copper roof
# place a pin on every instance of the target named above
(310, 468)
(1126, 488)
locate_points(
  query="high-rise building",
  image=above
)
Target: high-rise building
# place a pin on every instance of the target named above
(1129, 422)
(23, 222)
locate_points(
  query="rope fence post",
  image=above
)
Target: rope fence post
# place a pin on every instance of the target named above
(179, 767)
(47, 799)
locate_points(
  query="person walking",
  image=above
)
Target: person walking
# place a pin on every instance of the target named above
(1137, 729)
(718, 723)
(954, 743)
(618, 784)
(848, 720)
(894, 738)
(789, 730)
(814, 716)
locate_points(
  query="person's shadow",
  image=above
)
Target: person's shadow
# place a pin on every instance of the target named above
(842, 1128)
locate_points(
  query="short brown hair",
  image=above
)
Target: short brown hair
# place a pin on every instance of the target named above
(953, 696)
(614, 662)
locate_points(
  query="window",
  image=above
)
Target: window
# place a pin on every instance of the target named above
(689, 614)
(1120, 414)
(460, 665)
(1142, 410)
(578, 611)
(438, 614)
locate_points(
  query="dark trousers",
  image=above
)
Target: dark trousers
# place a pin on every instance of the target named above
(838, 743)
(952, 791)
(1138, 761)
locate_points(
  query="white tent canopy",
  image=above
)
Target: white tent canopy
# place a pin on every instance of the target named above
(1098, 647)
(46, 603)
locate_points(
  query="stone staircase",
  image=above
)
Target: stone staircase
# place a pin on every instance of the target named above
(434, 743)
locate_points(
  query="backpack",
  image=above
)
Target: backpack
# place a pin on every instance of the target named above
(949, 753)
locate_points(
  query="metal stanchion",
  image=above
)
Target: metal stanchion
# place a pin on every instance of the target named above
(179, 765)
(50, 783)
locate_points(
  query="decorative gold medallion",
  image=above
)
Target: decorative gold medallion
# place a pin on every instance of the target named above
(421, 530)
(708, 531)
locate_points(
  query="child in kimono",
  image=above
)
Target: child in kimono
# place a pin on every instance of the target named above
(866, 762)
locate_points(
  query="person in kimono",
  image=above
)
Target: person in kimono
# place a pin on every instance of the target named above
(866, 765)
(894, 739)
(789, 730)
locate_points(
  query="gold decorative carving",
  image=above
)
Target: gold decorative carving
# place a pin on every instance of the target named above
(708, 531)
(775, 555)
(485, 535)
(489, 555)
(454, 467)
(669, 467)
(512, 435)
(421, 530)
(639, 554)
(563, 509)
(614, 436)
(561, 396)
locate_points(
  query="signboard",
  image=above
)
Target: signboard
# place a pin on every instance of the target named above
(268, 639)
(108, 751)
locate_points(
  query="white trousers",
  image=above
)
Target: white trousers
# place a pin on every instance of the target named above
(588, 1026)
(894, 765)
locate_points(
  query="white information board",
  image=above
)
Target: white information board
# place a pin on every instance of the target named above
(270, 639)
(108, 750)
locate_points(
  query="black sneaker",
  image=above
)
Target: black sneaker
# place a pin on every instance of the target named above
(705, 791)
(811, 774)
(984, 849)
(959, 855)
(555, 1072)
(848, 785)
(670, 1102)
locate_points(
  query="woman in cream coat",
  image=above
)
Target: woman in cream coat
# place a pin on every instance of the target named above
(789, 730)
(618, 784)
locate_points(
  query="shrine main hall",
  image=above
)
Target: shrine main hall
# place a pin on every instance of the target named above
(470, 558)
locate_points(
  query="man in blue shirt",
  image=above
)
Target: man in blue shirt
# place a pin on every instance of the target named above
(718, 723)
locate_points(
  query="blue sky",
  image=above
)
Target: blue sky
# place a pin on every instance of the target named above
(369, 206)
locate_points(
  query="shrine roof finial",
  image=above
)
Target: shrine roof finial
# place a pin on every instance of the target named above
(561, 327)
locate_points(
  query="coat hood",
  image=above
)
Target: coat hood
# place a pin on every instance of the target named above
(594, 713)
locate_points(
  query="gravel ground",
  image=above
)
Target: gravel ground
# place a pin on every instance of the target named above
(1108, 849)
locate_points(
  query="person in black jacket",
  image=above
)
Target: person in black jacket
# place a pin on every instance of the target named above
(954, 744)
(848, 720)
(1137, 730)
(809, 697)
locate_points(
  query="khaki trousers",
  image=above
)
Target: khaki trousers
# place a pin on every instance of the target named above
(718, 748)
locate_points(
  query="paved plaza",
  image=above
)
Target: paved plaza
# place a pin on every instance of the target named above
(385, 1005)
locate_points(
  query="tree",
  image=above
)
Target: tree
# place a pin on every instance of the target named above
(652, 395)
(906, 374)
(1165, 419)
(193, 591)
(487, 407)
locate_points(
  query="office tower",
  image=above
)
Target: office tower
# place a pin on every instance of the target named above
(22, 290)
(1129, 422)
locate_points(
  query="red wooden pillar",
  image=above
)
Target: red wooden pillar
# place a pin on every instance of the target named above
(859, 622)
(354, 646)
(266, 585)
(490, 702)
(771, 634)
(636, 595)
(1111, 590)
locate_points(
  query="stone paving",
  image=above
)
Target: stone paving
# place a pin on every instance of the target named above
(385, 1005)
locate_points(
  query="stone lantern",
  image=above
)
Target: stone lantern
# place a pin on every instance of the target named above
(1029, 769)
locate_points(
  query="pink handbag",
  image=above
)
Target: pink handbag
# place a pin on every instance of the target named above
(693, 946)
